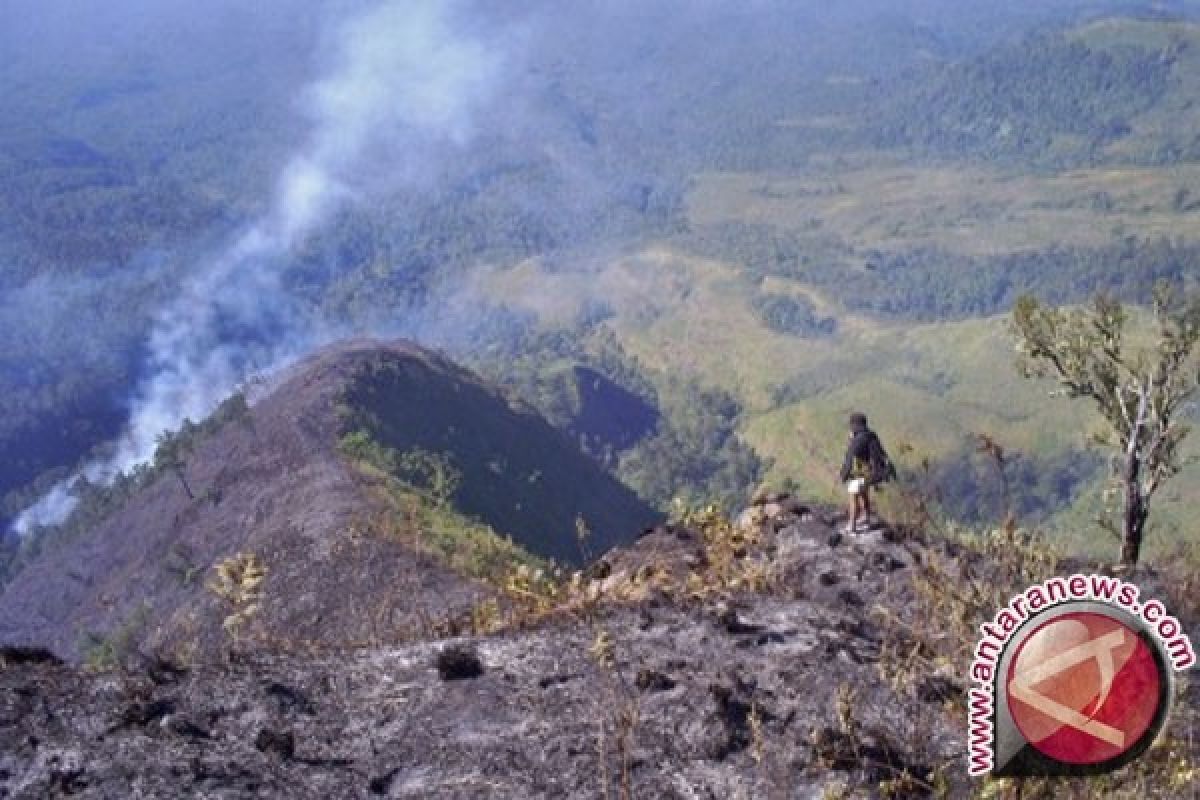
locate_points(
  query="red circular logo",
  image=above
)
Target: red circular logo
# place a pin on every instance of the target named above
(1084, 688)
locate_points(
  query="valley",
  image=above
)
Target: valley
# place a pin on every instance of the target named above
(813, 254)
(444, 399)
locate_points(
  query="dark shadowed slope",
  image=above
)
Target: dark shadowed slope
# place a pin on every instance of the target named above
(276, 484)
(519, 474)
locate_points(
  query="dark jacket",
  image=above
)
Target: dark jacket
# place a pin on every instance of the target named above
(866, 458)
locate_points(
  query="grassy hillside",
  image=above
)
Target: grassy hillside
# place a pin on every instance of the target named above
(928, 388)
(968, 210)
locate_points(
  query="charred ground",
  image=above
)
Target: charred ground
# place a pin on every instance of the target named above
(768, 658)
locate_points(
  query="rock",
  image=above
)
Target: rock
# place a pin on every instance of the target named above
(278, 743)
(751, 519)
(16, 654)
(142, 714)
(163, 671)
(681, 533)
(850, 598)
(884, 562)
(185, 725)
(546, 681)
(289, 699)
(382, 783)
(793, 506)
(651, 680)
(726, 616)
(457, 662)
(598, 571)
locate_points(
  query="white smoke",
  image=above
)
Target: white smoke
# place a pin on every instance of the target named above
(403, 84)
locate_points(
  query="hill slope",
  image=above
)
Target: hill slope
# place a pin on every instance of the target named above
(840, 674)
(347, 551)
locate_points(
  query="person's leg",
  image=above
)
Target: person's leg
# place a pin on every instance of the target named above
(853, 516)
(866, 501)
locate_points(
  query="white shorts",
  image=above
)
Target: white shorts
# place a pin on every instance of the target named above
(856, 486)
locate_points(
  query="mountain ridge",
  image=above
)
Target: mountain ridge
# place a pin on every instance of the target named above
(275, 483)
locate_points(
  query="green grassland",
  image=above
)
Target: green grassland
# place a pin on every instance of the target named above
(929, 388)
(966, 209)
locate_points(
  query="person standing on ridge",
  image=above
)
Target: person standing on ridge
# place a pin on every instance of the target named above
(866, 464)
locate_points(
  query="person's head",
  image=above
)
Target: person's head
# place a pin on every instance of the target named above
(858, 422)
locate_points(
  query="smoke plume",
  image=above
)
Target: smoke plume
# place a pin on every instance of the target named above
(404, 86)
